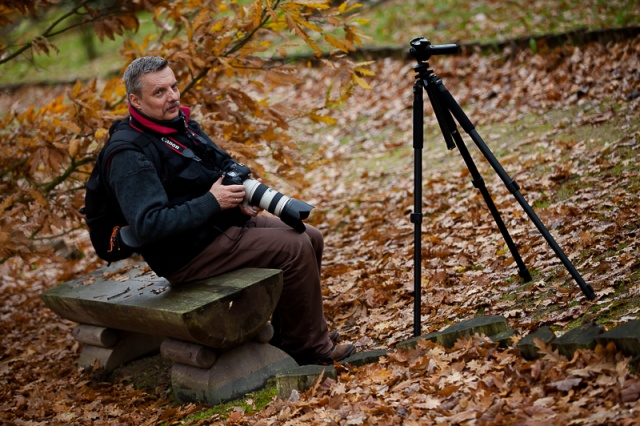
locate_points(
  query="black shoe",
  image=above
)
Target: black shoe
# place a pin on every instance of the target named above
(337, 353)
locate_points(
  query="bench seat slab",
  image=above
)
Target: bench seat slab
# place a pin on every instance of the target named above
(220, 312)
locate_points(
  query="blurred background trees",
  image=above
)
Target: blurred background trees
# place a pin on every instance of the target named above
(230, 58)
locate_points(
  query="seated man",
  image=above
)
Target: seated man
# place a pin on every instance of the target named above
(189, 226)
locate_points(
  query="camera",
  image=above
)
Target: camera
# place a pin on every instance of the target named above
(289, 210)
(422, 49)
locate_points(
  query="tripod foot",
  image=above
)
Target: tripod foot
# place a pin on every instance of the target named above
(588, 291)
(524, 274)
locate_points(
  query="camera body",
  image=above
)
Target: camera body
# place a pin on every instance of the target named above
(289, 210)
(236, 174)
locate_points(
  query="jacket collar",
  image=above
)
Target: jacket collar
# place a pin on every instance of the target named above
(163, 127)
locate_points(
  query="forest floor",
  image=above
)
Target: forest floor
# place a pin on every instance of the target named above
(564, 122)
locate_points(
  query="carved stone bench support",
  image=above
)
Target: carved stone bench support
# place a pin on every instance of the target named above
(236, 372)
(204, 374)
(107, 348)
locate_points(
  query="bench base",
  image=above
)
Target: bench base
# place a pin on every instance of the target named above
(197, 375)
(237, 372)
(129, 346)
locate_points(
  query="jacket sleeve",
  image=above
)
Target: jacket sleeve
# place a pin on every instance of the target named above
(134, 181)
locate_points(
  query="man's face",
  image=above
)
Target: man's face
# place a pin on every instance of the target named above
(160, 97)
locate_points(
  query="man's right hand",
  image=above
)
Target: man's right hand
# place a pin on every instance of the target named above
(228, 196)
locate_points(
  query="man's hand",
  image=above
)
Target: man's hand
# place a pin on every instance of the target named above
(228, 196)
(250, 210)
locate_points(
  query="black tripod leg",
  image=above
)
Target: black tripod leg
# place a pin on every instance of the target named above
(511, 185)
(448, 125)
(416, 217)
(445, 122)
(478, 182)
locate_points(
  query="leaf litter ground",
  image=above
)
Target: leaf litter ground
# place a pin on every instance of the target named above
(563, 123)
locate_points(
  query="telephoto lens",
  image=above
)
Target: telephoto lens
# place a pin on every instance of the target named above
(290, 210)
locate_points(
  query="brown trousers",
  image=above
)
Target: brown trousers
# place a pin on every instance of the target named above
(266, 242)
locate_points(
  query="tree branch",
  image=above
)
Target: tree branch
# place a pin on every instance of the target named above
(49, 32)
(14, 167)
(72, 168)
(46, 34)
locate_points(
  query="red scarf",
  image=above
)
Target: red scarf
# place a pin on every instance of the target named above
(163, 127)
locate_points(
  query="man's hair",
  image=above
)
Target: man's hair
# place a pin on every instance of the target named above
(133, 75)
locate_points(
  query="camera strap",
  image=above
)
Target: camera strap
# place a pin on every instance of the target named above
(179, 148)
(200, 142)
(207, 144)
(176, 146)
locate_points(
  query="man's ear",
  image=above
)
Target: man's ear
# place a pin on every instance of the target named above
(134, 100)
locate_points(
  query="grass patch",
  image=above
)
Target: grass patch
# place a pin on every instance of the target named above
(541, 204)
(250, 404)
(445, 21)
(565, 191)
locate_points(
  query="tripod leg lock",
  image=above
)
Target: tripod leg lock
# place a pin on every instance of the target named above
(513, 187)
(416, 217)
(478, 182)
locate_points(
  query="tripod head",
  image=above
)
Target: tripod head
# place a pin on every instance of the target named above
(422, 49)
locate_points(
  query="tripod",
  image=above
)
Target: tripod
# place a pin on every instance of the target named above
(446, 108)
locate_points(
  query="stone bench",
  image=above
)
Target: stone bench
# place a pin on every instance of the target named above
(215, 331)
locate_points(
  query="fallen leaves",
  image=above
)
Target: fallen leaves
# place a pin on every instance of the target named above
(474, 382)
(581, 179)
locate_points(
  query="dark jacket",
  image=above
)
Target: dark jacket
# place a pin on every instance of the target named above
(172, 215)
